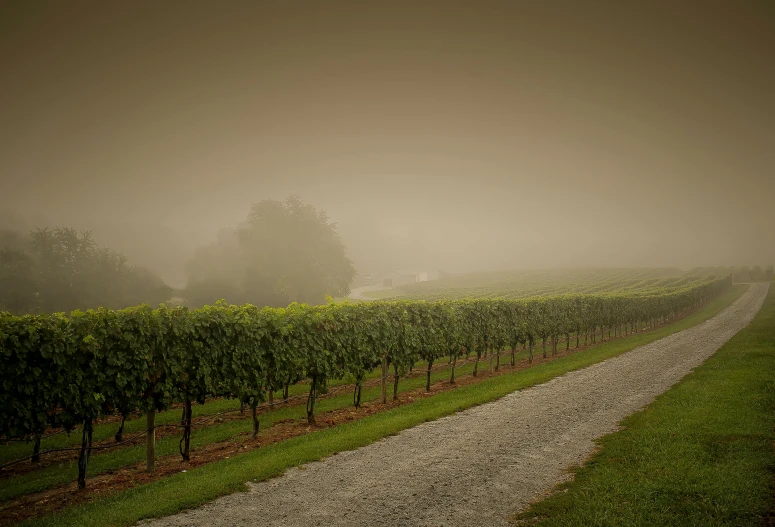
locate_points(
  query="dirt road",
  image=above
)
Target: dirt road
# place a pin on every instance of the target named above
(358, 292)
(479, 466)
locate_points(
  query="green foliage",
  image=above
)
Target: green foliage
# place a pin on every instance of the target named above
(286, 252)
(751, 274)
(60, 269)
(18, 287)
(547, 282)
(59, 370)
(555, 282)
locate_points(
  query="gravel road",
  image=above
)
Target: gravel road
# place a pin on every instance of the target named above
(482, 465)
(358, 292)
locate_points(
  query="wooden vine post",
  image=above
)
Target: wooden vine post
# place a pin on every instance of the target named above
(150, 440)
(384, 378)
(83, 458)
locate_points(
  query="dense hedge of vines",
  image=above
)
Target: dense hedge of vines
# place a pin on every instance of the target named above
(61, 370)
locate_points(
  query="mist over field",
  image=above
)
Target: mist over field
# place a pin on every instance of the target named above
(460, 136)
(240, 237)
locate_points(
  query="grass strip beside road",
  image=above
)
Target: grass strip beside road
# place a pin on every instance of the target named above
(198, 486)
(700, 454)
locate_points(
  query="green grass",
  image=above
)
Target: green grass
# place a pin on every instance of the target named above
(700, 455)
(198, 486)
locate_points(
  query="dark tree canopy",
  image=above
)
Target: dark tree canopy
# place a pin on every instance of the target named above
(285, 252)
(18, 289)
(752, 274)
(61, 269)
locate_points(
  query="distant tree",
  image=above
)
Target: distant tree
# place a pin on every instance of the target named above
(143, 286)
(285, 252)
(742, 274)
(18, 288)
(769, 272)
(757, 274)
(12, 239)
(61, 259)
(61, 270)
(209, 289)
(216, 272)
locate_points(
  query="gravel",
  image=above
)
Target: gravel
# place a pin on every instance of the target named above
(479, 466)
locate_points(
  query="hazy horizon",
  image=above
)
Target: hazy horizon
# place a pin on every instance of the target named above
(459, 135)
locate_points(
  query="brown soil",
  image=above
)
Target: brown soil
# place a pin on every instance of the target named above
(59, 498)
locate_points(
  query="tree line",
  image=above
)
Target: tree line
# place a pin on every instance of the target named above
(53, 270)
(285, 251)
(753, 274)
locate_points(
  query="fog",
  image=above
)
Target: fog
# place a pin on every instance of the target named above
(457, 135)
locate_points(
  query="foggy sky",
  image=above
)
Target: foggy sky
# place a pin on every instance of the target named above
(462, 135)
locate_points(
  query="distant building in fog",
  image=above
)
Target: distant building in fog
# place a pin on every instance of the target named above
(406, 276)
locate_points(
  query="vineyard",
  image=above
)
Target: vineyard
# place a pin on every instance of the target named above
(529, 283)
(99, 371)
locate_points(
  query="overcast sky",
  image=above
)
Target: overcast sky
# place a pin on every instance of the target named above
(463, 135)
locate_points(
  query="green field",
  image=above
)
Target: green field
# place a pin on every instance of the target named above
(529, 283)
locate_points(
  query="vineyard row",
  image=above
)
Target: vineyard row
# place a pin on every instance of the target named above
(62, 370)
